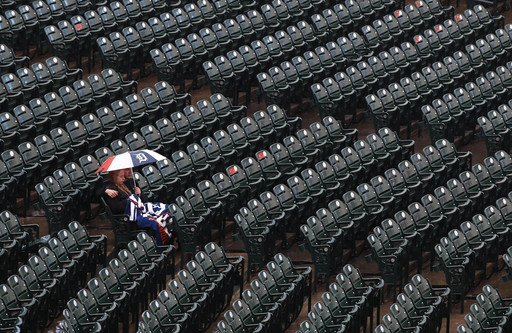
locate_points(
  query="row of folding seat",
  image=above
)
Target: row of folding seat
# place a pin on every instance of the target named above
(62, 195)
(413, 17)
(183, 133)
(234, 73)
(17, 241)
(291, 202)
(65, 193)
(214, 200)
(62, 89)
(28, 167)
(70, 41)
(465, 104)
(392, 28)
(117, 120)
(260, 53)
(335, 94)
(480, 251)
(388, 29)
(491, 312)
(463, 109)
(324, 61)
(72, 141)
(339, 95)
(69, 103)
(132, 46)
(53, 73)
(69, 190)
(6, 4)
(192, 49)
(351, 218)
(507, 259)
(112, 89)
(420, 309)
(20, 314)
(122, 287)
(139, 30)
(82, 4)
(79, 260)
(334, 22)
(64, 141)
(167, 61)
(475, 21)
(20, 27)
(447, 37)
(198, 294)
(35, 291)
(21, 174)
(287, 287)
(396, 239)
(98, 251)
(346, 305)
(22, 86)
(473, 246)
(29, 21)
(85, 136)
(65, 36)
(496, 128)
(393, 248)
(60, 186)
(22, 310)
(280, 153)
(283, 84)
(178, 129)
(409, 56)
(9, 61)
(189, 18)
(181, 129)
(330, 23)
(449, 205)
(136, 141)
(335, 54)
(7, 188)
(406, 58)
(245, 25)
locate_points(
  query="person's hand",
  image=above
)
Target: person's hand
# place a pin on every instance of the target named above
(137, 191)
(111, 193)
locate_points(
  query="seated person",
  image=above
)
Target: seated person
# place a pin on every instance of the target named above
(130, 184)
(123, 197)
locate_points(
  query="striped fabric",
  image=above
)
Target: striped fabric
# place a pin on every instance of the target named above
(154, 215)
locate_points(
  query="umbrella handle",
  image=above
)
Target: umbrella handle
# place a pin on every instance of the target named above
(133, 178)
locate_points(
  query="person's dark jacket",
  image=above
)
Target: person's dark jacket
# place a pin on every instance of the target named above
(118, 204)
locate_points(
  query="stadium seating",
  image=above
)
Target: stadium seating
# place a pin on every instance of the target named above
(266, 172)
(199, 293)
(347, 303)
(420, 308)
(490, 312)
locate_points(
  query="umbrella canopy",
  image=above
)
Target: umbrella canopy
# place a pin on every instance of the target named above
(130, 159)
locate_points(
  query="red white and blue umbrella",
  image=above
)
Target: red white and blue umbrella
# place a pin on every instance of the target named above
(130, 159)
